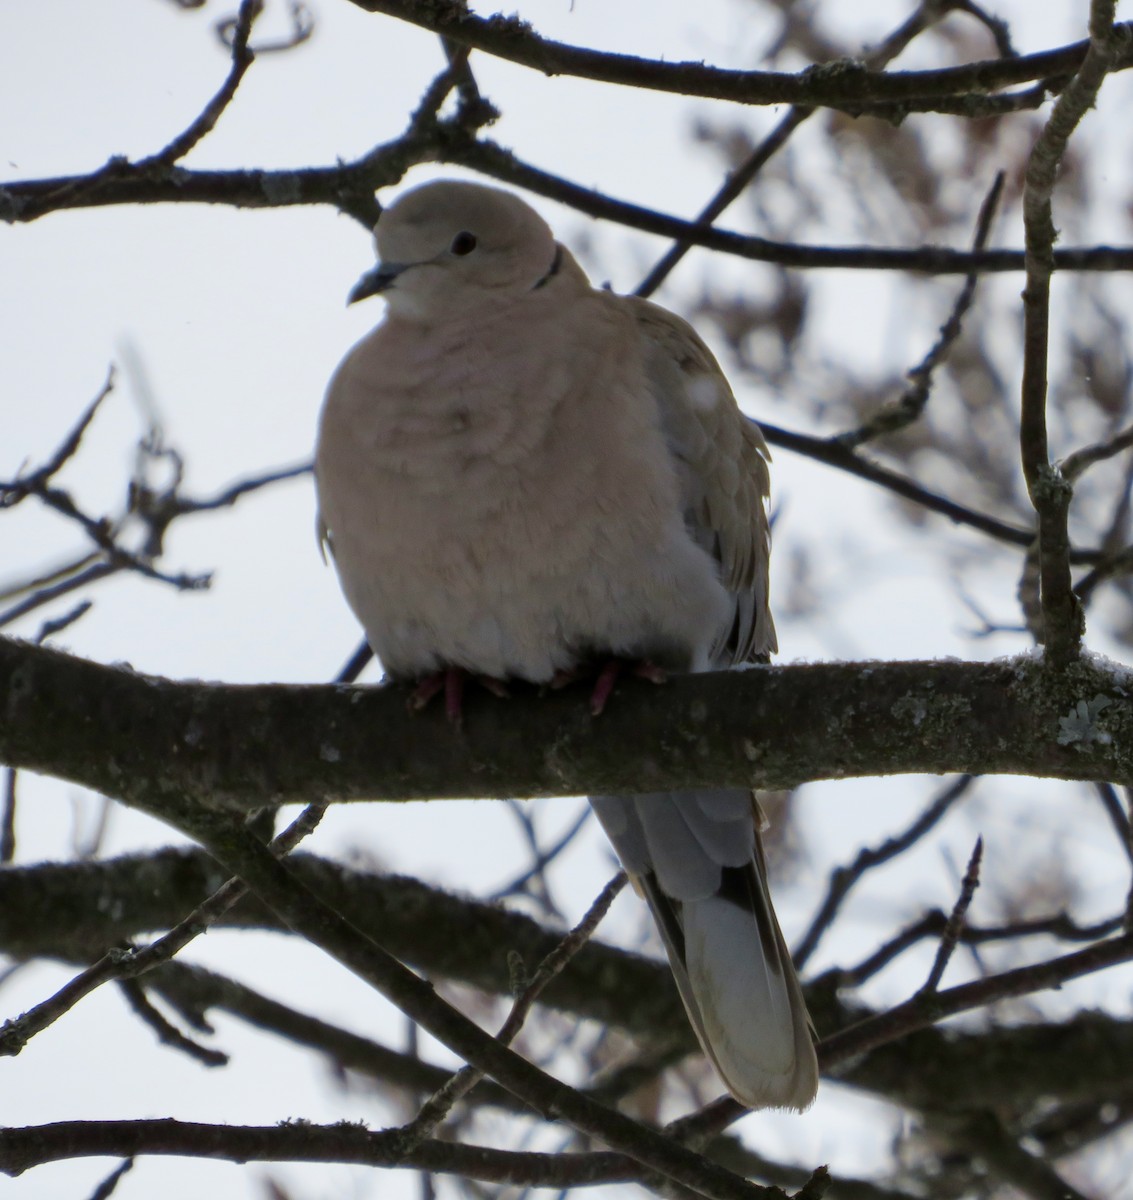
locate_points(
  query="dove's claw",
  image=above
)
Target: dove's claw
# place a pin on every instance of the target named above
(454, 696)
(429, 687)
(610, 672)
(451, 682)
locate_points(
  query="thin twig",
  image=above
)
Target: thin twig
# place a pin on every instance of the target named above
(159, 509)
(1074, 464)
(8, 817)
(26, 485)
(167, 1033)
(954, 928)
(193, 990)
(737, 182)
(425, 114)
(311, 917)
(58, 624)
(440, 1104)
(896, 416)
(205, 123)
(109, 1185)
(1118, 814)
(543, 858)
(496, 161)
(1118, 817)
(302, 27)
(924, 1010)
(155, 508)
(983, 1134)
(355, 664)
(829, 452)
(843, 879)
(64, 588)
(733, 187)
(1120, 563)
(932, 924)
(134, 962)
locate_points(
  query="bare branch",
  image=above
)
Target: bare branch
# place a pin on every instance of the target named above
(933, 924)
(440, 1103)
(771, 727)
(167, 1033)
(740, 179)
(65, 587)
(1118, 817)
(1049, 490)
(895, 417)
(21, 1149)
(8, 818)
(844, 879)
(109, 1185)
(928, 1008)
(131, 963)
(305, 913)
(997, 27)
(103, 903)
(954, 927)
(985, 1135)
(302, 27)
(350, 188)
(1075, 464)
(831, 452)
(543, 857)
(192, 990)
(159, 509)
(205, 123)
(29, 485)
(846, 84)
(731, 189)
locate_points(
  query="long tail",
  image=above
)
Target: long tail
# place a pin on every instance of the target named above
(697, 858)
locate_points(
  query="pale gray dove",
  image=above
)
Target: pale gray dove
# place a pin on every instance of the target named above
(517, 474)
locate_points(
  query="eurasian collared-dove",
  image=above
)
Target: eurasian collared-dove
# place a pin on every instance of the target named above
(517, 474)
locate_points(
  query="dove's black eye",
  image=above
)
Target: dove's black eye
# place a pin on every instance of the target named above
(464, 243)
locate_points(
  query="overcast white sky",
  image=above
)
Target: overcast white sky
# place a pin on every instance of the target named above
(237, 319)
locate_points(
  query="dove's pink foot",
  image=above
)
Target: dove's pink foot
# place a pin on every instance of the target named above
(451, 682)
(608, 675)
(429, 687)
(454, 696)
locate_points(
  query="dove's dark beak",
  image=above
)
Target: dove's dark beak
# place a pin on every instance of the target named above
(375, 281)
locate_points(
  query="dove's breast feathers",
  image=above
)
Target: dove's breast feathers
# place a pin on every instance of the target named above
(511, 504)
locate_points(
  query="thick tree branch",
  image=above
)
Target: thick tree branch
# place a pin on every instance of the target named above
(846, 84)
(983, 1134)
(350, 187)
(130, 963)
(308, 915)
(147, 741)
(74, 911)
(303, 1142)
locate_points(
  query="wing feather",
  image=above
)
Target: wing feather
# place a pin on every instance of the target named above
(723, 462)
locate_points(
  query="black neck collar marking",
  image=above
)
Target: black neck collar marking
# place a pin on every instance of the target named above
(556, 264)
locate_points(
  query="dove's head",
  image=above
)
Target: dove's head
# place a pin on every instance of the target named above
(452, 245)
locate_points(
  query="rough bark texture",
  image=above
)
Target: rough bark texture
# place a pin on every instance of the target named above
(159, 744)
